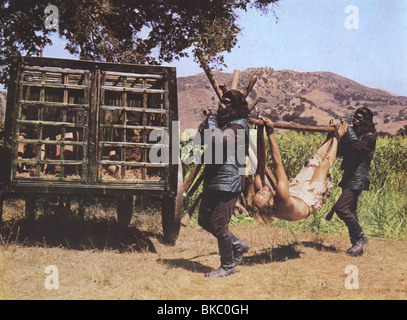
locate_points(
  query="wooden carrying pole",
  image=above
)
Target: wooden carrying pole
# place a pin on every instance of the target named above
(291, 126)
(219, 89)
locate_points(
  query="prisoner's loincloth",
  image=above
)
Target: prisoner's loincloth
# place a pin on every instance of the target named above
(313, 194)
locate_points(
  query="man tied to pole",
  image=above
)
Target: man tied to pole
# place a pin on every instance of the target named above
(223, 180)
(356, 148)
(305, 194)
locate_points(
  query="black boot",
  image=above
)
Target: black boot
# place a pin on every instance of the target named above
(357, 245)
(227, 264)
(358, 238)
(239, 249)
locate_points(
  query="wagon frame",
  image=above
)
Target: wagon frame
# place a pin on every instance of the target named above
(80, 119)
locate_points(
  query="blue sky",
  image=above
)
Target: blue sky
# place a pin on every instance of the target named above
(311, 35)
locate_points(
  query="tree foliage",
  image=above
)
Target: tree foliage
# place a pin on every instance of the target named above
(133, 31)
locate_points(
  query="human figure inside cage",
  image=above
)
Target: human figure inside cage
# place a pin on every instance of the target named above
(70, 152)
(132, 153)
(26, 151)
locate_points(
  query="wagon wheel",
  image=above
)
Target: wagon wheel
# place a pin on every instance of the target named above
(124, 210)
(171, 211)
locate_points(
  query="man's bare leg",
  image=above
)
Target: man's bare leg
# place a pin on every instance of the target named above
(329, 157)
(324, 148)
(321, 172)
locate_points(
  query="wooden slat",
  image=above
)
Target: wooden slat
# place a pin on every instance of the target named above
(47, 123)
(36, 161)
(56, 70)
(62, 183)
(135, 164)
(133, 75)
(40, 133)
(137, 90)
(132, 144)
(54, 104)
(63, 129)
(126, 126)
(134, 109)
(48, 179)
(150, 185)
(123, 103)
(55, 86)
(59, 142)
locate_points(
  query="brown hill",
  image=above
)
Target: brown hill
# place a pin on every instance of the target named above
(309, 98)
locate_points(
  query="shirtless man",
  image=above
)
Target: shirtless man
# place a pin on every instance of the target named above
(305, 194)
(132, 154)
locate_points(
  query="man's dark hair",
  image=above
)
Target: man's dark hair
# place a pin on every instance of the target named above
(367, 125)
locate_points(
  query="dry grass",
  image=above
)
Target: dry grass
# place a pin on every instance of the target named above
(99, 261)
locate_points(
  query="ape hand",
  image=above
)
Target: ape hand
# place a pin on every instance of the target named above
(269, 124)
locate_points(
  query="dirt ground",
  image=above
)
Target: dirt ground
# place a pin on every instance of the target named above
(96, 260)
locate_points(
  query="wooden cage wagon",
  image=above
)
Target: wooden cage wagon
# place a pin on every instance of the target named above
(84, 128)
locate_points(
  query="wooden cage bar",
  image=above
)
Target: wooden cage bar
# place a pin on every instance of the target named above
(129, 97)
(46, 78)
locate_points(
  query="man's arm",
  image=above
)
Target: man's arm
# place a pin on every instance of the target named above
(351, 142)
(259, 180)
(211, 122)
(281, 176)
(364, 146)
